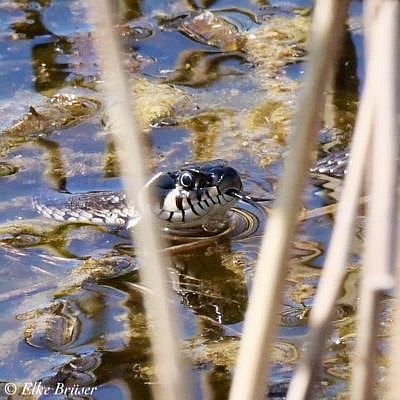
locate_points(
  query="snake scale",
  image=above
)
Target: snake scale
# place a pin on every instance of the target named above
(189, 197)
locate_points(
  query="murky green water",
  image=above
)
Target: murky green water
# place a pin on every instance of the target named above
(70, 300)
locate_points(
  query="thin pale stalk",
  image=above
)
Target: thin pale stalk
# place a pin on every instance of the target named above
(172, 380)
(260, 324)
(325, 210)
(394, 371)
(380, 244)
(393, 386)
(370, 9)
(334, 268)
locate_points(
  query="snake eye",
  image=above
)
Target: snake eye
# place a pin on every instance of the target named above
(186, 180)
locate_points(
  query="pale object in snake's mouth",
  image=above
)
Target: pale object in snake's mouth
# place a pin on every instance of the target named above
(193, 196)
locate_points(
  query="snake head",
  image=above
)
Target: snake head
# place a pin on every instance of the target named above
(195, 194)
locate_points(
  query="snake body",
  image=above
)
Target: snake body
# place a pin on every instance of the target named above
(103, 208)
(188, 197)
(334, 164)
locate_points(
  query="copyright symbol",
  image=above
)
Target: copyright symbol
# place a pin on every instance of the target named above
(10, 388)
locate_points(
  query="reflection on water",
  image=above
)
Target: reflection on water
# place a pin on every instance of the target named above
(69, 293)
(31, 26)
(211, 282)
(128, 9)
(200, 68)
(342, 99)
(49, 73)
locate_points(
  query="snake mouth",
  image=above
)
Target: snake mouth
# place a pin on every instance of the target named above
(196, 193)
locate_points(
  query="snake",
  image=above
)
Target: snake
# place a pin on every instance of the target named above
(334, 164)
(189, 197)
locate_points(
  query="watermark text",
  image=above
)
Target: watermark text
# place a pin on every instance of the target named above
(38, 389)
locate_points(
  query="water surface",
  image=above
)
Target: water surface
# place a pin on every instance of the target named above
(70, 300)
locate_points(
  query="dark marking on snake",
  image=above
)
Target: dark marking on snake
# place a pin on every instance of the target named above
(208, 195)
(192, 207)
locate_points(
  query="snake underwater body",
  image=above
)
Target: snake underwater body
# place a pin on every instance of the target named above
(188, 197)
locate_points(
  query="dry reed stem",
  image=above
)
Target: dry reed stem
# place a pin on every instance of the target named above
(334, 268)
(370, 9)
(325, 210)
(260, 324)
(380, 243)
(394, 371)
(172, 380)
(393, 384)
